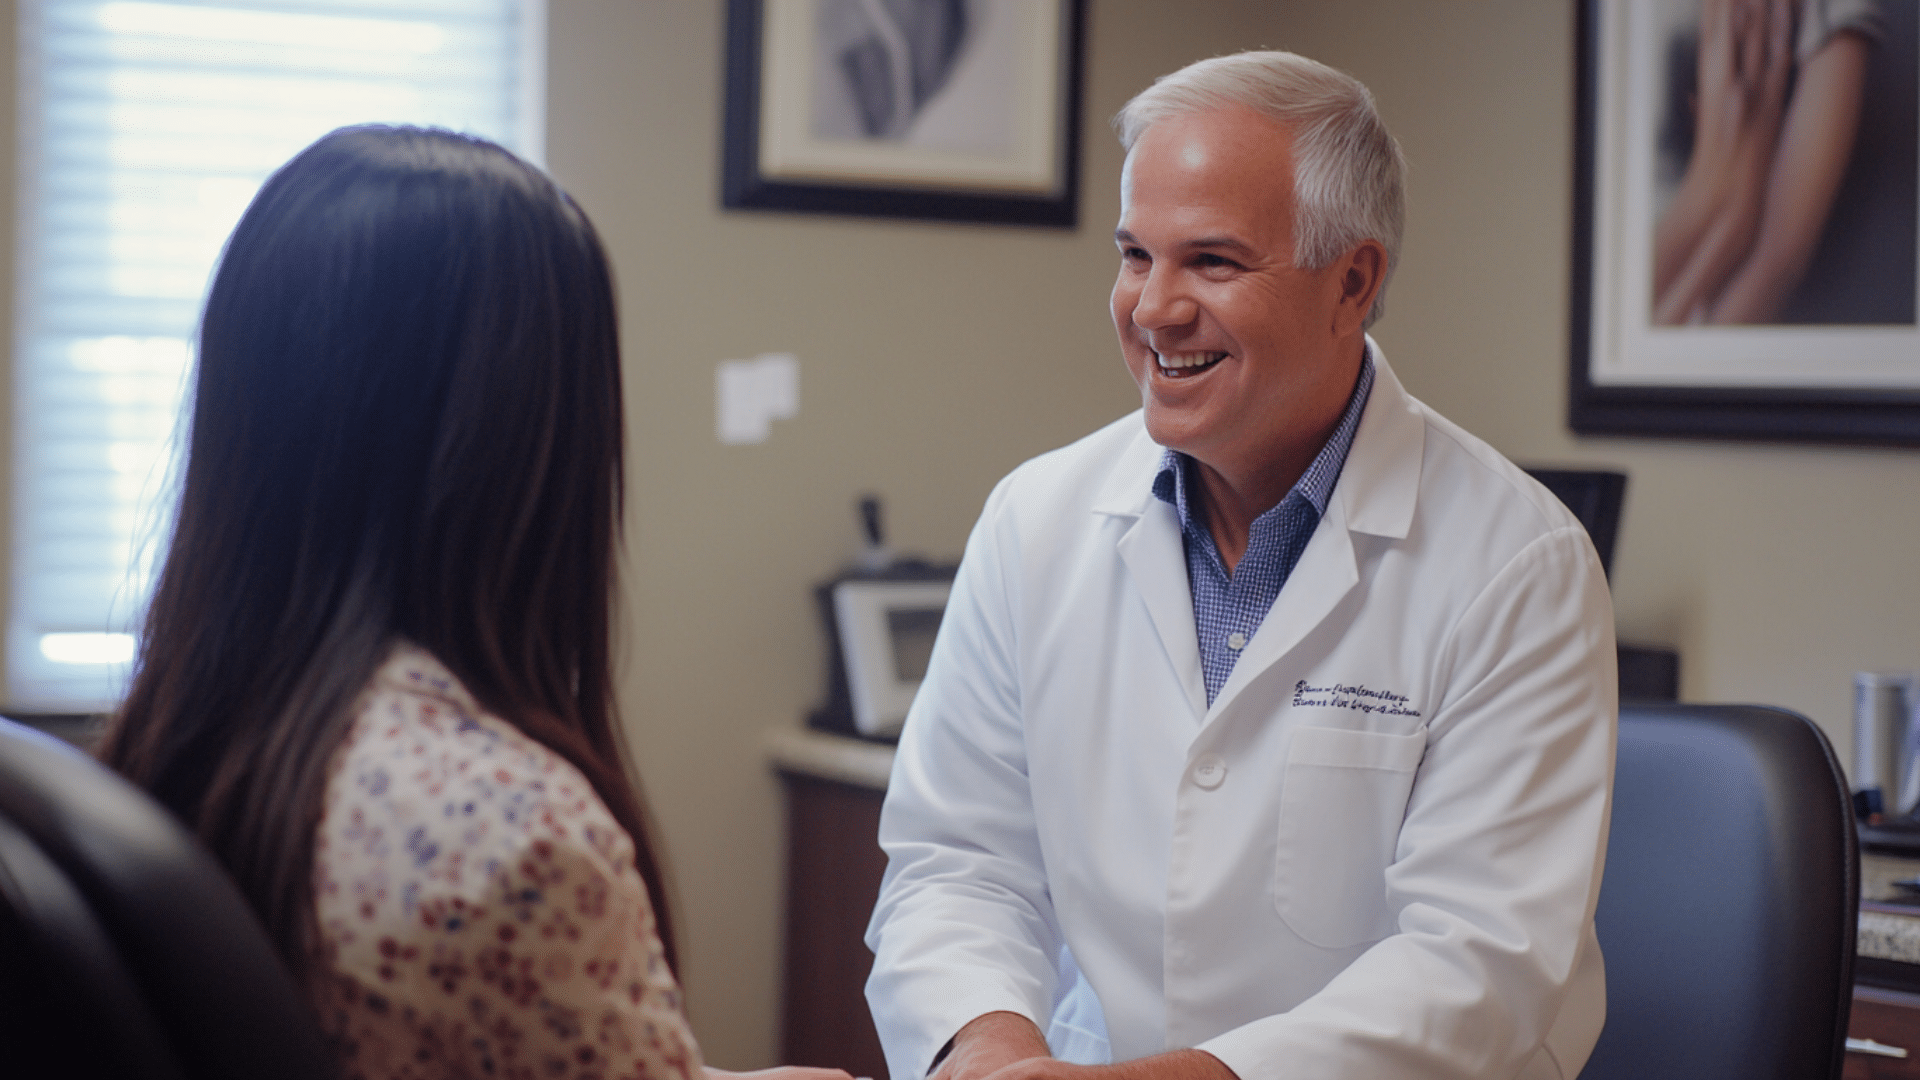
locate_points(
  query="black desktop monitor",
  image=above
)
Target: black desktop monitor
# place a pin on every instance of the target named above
(1647, 672)
(1594, 496)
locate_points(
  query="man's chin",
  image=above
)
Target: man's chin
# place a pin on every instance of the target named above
(1175, 429)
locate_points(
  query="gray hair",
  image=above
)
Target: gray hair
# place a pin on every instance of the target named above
(1349, 177)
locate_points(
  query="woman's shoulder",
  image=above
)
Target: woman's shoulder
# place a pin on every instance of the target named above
(415, 707)
(433, 797)
(477, 901)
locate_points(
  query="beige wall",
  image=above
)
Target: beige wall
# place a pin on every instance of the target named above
(936, 357)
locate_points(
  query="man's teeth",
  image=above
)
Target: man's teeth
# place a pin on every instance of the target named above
(1190, 360)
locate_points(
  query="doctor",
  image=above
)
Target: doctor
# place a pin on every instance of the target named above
(1270, 729)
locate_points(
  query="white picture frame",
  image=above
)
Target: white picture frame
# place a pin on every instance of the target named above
(1841, 362)
(886, 636)
(970, 112)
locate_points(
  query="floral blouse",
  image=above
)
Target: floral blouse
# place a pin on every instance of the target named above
(478, 904)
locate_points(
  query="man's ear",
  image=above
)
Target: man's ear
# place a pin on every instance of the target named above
(1362, 274)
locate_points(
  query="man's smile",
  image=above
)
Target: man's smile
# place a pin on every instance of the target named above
(1183, 365)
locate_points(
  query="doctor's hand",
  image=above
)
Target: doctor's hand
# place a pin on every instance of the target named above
(1174, 1065)
(783, 1072)
(1007, 1046)
(990, 1043)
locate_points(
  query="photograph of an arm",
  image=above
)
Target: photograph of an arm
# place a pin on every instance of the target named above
(1773, 135)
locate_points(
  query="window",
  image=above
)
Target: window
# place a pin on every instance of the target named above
(145, 128)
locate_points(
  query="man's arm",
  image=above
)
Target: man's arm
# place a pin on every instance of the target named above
(990, 1043)
(1744, 62)
(1816, 145)
(1007, 1046)
(964, 925)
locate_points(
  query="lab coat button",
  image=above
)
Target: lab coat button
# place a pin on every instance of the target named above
(1209, 771)
(1236, 641)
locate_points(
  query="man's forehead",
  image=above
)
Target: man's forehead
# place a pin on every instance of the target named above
(1209, 149)
(1208, 178)
(1210, 138)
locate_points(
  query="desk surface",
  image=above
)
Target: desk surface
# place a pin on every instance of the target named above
(830, 757)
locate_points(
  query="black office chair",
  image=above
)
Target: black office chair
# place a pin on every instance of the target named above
(1727, 915)
(125, 950)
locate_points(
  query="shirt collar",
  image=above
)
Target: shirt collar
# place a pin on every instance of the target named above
(1171, 483)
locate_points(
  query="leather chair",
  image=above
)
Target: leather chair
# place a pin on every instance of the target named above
(1727, 915)
(125, 950)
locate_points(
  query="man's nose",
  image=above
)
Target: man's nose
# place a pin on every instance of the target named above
(1163, 302)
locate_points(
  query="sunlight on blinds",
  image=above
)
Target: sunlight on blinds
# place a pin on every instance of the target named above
(146, 127)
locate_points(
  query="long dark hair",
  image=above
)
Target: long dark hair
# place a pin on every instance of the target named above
(406, 423)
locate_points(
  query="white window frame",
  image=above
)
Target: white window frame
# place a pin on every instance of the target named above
(34, 681)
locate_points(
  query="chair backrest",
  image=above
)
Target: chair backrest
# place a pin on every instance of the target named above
(1728, 912)
(125, 950)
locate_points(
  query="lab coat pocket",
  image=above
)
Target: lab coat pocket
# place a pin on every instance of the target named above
(1344, 797)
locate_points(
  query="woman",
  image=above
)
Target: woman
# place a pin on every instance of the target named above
(375, 676)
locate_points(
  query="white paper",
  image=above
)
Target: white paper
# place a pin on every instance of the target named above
(751, 394)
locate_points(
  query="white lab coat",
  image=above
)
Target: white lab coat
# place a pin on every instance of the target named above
(1375, 855)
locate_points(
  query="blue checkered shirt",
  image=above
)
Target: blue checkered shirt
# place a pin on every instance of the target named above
(1228, 608)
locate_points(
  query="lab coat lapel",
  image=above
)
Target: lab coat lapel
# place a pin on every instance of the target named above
(1156, 562)
(1375, 495)
(1325, 574)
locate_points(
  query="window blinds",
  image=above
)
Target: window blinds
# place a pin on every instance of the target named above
(145, 128)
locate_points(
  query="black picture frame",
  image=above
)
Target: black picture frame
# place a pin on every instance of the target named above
(744, 185)
(1805, 414)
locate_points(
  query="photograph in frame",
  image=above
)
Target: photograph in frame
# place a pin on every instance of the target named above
(1745, 250)
(955, 110)
(886, 630)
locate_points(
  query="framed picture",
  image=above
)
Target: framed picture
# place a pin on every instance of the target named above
(1744, 243)
(886, 631)
(951, 110)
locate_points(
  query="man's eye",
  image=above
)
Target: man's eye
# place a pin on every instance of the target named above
(1208, 260)
(1132, 254)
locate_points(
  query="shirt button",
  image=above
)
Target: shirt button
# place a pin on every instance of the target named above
(1209, 771)
(1236, 641)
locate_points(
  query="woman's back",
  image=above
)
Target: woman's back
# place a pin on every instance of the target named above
(478, 905)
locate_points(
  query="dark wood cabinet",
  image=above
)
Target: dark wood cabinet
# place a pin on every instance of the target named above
(1890, 1018)
(834, 865)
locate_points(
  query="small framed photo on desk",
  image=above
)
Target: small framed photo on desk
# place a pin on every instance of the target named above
(886, 631)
